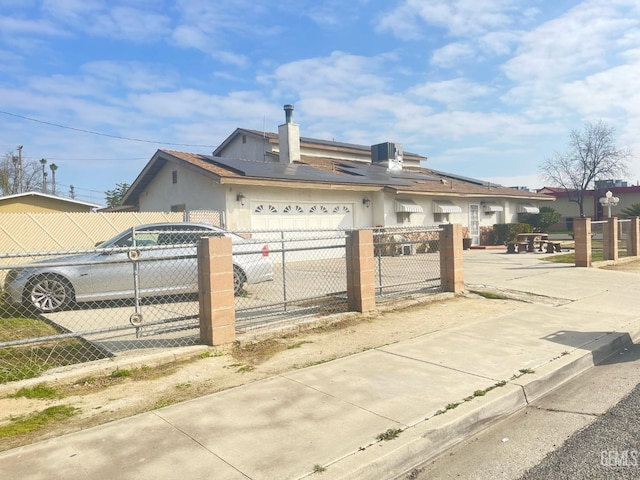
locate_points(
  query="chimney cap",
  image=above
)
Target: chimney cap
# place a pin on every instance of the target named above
(288, 112)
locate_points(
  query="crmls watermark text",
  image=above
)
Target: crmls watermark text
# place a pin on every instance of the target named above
(619, 458)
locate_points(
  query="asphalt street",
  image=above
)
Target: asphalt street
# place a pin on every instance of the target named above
(608, 449)
(589, 428)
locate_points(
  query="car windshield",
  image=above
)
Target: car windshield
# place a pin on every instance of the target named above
(163, 235)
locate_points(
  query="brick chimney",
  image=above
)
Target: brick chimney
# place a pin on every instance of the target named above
(289, 138)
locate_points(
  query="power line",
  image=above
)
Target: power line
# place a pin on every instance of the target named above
(82, 159)
(105, 134)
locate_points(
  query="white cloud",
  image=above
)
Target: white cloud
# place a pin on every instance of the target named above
(608, 91)
(12, 26)
(499, 43)
(564, 62)
(463, 18)
(328, 13)
(338, 76)
(109, 20)
(583, 39)
(133, 76)
(132, 24)
(452, 54)
(452, 93)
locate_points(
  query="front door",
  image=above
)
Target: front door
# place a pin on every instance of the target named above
(474, 223)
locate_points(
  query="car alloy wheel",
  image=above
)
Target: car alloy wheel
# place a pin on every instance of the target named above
(49, 293)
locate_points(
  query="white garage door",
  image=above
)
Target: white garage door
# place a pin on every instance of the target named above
(324, 218)
(301, 216)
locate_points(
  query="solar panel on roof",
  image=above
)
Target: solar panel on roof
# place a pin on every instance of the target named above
(379, 171)
(303, 172)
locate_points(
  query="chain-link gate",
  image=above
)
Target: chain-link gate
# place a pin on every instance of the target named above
(407, 260)
(137, 290)
(309, 278)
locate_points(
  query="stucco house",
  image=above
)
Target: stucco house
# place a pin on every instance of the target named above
(37, 202)
(284, 181)
(627, 195)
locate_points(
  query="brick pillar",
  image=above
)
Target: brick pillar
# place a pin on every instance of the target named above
(610, 239)
(215, 291)
(633, 237)
(582, 239)
(361, 280)
(451, 267)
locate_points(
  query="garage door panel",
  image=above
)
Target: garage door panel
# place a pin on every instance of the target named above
(299, 216)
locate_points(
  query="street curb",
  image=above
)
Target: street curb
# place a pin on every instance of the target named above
(431, 437)
(562, 369)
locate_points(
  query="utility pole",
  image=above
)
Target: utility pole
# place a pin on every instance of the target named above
(43, 162)
(19, 169)
(53, 168)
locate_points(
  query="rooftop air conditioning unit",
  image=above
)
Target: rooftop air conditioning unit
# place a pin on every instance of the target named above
(389, 154)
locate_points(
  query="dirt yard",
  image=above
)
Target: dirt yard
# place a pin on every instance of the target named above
(110, 390)
(627, 266)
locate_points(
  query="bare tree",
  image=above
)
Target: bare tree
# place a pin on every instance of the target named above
(14, 179)
(591, 155)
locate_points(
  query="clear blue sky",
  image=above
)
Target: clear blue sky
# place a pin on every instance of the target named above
(484, 88)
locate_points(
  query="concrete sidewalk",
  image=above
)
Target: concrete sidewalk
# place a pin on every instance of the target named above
(430, 391)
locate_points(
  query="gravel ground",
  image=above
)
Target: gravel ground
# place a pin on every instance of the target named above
(607, 449)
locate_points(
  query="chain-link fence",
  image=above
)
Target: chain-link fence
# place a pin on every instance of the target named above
(139, 290)
(407, 261)
(624, 237)
(597, 240)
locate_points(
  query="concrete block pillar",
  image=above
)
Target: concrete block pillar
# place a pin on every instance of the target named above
(215, 291)
(582, 239)
(451, 264)
(633, 237)
(610, 239)
(361, 279)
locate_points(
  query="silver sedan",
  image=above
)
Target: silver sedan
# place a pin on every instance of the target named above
(165, 264)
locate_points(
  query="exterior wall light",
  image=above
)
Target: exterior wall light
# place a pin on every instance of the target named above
(240, 198)
(366, 202)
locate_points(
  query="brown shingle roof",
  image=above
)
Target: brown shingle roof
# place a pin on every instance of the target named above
(421, 180)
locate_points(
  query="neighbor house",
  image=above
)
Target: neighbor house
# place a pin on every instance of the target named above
(37, 202)
(285, 181)
(565, 200)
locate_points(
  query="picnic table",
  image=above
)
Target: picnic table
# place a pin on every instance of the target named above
(528, 242)
(532, 240)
